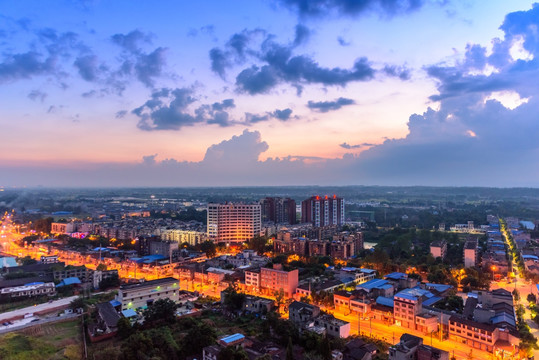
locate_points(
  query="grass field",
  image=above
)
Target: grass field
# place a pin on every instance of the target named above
(55, 341)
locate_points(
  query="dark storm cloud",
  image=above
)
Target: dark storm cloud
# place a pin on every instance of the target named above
(255, 80)
(132, 41)
(467, 140)
(219, 61)
(121, 114)
(343, 42)
(156, 114)
(401, 72)
(298, 70)
(272, 64)
(254, 118)
(169, 109)
(145, 66)
(283, 114)
(302, 35)
(37, 95)
(88, 67)
(236, 50)
(225, 104)
(325, 106)
(150, 66)
(53, 53)
(357, 146)
(25, 66)
(320, 8)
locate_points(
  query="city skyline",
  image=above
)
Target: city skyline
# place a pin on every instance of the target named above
(268, 93)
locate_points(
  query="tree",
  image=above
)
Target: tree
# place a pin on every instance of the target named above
(124, 328)
(290, 350)
(531, 298)
(101, 267)
(209, 248)
(197, 338)
(232, 353)
(160, 310)
(257, 244)
(279, 297)
(77, 303)
(233, 300)
(27, 260)
(325, 348)
(109, 282)
(150, 344)
(516, 295)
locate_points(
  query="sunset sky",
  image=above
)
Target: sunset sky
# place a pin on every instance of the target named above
(262, 92)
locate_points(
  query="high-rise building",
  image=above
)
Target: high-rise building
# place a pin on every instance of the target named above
(231, 222)
(278, 210)
(323, 211)
(470, 253)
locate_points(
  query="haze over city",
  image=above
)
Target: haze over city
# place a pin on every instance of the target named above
(289, 92)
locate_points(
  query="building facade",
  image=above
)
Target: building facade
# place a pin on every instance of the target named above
(278, 210)
(438, 249)
(233, 222)
(272, 280)
(141, 295)
(470, 253)
(323, 211)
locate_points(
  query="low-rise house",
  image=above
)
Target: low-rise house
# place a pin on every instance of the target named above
(140, 295)
(406, 348)
(106, 325)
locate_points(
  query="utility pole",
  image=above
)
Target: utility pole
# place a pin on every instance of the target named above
(358, 323)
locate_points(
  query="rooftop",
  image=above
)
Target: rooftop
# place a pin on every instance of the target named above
(151, 283)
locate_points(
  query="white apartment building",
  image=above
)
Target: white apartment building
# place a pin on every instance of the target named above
(135, 296)
(184, 236)
(231, 222)
(63, 228)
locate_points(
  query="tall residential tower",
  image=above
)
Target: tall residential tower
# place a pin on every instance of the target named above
(323, 211)
(231, 222)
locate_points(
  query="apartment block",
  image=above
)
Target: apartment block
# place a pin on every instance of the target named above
(278, 210)
(323, 211)
(438, 249)
(231, 222)
(272, 280)
(141, 295)
(470, 253)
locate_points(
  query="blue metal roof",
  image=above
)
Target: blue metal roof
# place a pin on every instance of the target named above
(396, 276)
(385, 301)
(414, 293)
(69, 281)
(503, 318)
(129, 313)
(373, 284)
(433, 300)
(439, 287)
(231, 338)
(367, 271)
(406, 296)
(531, 257)
(115, 303)
(34, 283)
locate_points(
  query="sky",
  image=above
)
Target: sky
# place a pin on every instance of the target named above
(269, 92)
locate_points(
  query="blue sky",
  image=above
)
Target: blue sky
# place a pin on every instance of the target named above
(283, 92)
